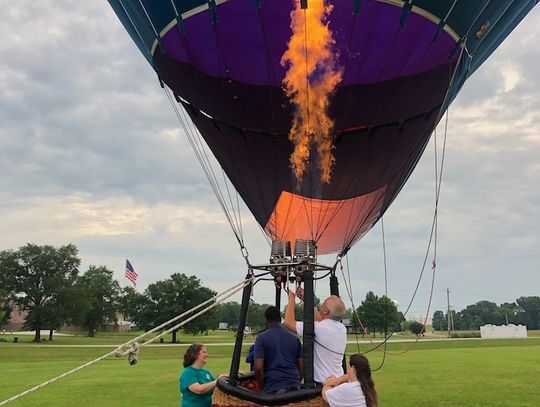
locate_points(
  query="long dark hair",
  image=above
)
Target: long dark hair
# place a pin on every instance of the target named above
(192, 353)
(363, 374)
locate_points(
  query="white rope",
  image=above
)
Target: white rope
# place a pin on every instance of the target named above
(161, 335)
(234, 288)
(219, 298)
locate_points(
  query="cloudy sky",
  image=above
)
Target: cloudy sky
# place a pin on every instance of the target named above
(90, 153)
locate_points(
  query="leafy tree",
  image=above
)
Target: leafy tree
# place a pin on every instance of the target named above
(457, 321)
(512, 312)
(368, 311)
(130, 302)
(416, 327)
(531, 311)
(480, 313)
(168, 298)
(255, 316)
(99, 298)
(398, 327)
(61, 310)
(378, 313)
(37, 278)
(390, 313)
(298, 311)
(439, 321)
(5, 309)
(229, 312)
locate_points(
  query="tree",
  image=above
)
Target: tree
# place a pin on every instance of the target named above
(416, 327)
(37, 278)
(298, 311)
(100, 294)
(480, 313)
(378, 314)
(368, 311)
(168, 298)
(130, 303)
(5, 309)
(512, 312)
(439, 321)
(398, 327)
(531, 311)
(255, 316)
(389, 312)
(229, 312)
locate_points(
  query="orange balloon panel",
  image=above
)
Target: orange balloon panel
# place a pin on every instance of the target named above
(332, 224)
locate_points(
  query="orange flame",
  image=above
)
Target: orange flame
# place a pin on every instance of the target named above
(312, 76)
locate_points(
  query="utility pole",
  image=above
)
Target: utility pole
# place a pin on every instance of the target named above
(448, 309)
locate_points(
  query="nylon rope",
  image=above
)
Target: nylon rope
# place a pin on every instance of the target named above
(386, 299)
(225, 70)
(432, 238)
(200, 153)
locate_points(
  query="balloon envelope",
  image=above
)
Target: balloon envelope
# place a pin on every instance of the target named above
(401, 68)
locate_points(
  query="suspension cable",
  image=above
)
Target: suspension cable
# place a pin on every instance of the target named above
(194, 139)
(432, 239)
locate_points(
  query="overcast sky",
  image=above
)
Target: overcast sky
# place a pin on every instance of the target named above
(91, 154)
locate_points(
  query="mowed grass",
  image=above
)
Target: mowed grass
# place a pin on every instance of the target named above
(433, 373)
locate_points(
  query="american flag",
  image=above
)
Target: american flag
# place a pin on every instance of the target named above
(130, 273)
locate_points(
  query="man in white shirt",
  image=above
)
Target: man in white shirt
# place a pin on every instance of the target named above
(330, 336)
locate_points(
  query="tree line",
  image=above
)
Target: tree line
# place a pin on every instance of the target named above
(524, 311)
(46, 282)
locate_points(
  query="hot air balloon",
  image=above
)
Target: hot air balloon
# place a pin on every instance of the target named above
(317, 110)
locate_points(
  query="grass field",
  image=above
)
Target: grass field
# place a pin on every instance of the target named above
(434, 373)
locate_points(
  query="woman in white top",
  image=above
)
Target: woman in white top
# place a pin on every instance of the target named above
(353, 389)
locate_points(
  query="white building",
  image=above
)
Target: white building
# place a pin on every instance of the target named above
(503, 331)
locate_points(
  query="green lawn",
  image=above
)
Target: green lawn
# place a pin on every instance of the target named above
(434, 373)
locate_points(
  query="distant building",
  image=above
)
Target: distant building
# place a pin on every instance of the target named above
(16, 320)
(18, 317)
(351, 329)
(503, 331)
(120, 325)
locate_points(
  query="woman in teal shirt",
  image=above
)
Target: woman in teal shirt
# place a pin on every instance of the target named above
(196, 384)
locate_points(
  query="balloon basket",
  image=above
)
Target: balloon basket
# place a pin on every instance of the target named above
(222, 399)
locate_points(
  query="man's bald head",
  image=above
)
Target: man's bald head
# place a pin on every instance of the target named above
(336, 307)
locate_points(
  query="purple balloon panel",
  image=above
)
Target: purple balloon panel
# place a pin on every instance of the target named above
(246, 44)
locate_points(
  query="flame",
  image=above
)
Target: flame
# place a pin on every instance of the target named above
(312, 75)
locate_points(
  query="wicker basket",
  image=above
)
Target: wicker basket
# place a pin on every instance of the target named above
(221, 399)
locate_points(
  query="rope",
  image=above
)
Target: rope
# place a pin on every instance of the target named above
(194, 139)
(385, 295)
(432, 239)
(234, 288)
(134, 349)
(175, 327)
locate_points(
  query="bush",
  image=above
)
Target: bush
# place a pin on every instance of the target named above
(465, 334)
(416, 327)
